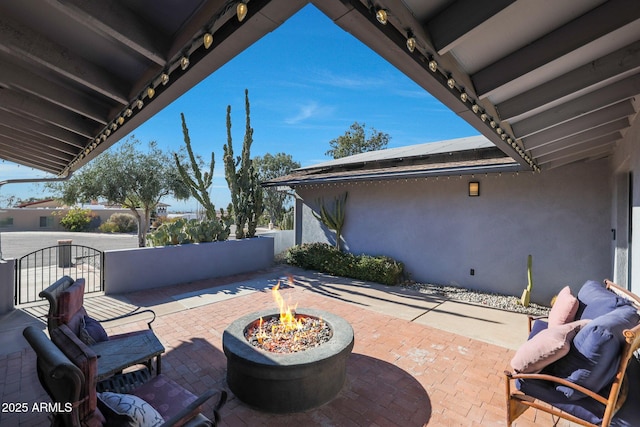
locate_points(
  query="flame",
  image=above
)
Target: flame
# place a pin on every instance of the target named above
(287, 313)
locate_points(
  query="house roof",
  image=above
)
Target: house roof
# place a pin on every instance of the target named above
(463, 156)
(44, 203)
(547, 82)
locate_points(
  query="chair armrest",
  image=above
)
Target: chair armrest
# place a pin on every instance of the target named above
(198, 402)
(557, 380)
(532, 319)
(135, 313)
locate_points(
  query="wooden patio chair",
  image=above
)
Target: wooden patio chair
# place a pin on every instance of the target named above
(599, 406)
(70, 377)
(116, 352)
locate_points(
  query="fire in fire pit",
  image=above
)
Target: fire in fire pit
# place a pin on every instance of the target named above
(289, 332)
(301, 365)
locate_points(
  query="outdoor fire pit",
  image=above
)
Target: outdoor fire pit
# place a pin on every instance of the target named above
(286, 382)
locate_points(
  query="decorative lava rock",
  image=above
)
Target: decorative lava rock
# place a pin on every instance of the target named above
(287, 382)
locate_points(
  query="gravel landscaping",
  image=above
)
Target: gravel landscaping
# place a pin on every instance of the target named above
(502, 302)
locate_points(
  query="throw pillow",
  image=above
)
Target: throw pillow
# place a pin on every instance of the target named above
(91, 331)
(129, 410)
(596, 300)
(594, 357)
(564, 309)
(546, 347)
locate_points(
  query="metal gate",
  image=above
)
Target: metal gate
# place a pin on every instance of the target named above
(39, 269)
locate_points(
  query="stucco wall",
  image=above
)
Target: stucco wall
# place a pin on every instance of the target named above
(7, 285)
(137, 269)
(28, 219)
(561, 217)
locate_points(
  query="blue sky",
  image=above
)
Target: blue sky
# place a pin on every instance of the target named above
(308, 82)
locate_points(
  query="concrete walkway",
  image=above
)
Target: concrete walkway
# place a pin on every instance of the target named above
(417, 360)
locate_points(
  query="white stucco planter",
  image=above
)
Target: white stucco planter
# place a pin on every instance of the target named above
(130, 270)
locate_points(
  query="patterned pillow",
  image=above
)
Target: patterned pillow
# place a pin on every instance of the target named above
(129, 410)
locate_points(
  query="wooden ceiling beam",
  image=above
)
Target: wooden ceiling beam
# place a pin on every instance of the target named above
(597, 23)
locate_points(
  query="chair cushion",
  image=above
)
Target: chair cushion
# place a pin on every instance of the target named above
(593, 359)
(596, 300)
(538, 326)
(127, 410)
(167, 396)
(85, 359)
(588, 409)
(545, 347)
(91, 331)
(564, 309)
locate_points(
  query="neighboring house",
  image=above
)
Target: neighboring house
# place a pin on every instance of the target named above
(414, 204)
(45, 215)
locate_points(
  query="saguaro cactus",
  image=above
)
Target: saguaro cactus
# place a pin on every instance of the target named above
(199, 183)
(334, 218)
(246, 193)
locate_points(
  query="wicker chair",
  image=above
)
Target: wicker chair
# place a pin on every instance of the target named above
(66, 307)
(69, 378)
(599, 406)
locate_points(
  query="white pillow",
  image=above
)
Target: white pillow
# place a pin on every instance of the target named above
(141, 413)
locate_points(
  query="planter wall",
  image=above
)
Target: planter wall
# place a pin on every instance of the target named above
(137, 269)
(7, 285)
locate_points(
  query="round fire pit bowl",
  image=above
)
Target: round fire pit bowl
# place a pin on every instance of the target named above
(287, 382)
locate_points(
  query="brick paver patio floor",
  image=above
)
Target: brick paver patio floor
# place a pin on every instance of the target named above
(399, 374)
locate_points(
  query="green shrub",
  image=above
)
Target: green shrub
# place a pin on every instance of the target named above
(328, 259)
(125, 223)
(77, 219)
(108, 227)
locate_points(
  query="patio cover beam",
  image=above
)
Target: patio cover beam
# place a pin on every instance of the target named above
(29, 105)
(61, 139)
(558, 151)
(615, 92)
(115, 20)
(24, 80)
(618, 64)
(597, 23)
(467, 14)
(11, 155)
(38, 50)
(582, 123)
(35, 153)
(39, 143)
(587, 135)
(585, 155)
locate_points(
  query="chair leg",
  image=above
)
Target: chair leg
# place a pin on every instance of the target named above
(514, 407)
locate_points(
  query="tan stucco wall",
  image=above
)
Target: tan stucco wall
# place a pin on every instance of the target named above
(28, 219)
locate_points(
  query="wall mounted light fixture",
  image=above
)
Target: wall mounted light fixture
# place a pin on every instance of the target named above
(474, 189)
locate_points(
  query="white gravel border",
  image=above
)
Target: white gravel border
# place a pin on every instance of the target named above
(502, 302)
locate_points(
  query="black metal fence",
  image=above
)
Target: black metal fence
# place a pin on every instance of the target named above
(39, 269)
